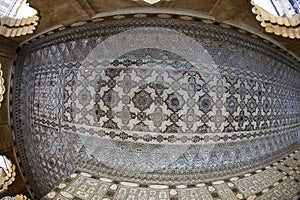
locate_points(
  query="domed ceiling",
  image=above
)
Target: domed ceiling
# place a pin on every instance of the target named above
(152, 98)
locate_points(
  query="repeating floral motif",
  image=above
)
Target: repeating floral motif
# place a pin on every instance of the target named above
(222, 102)
(55, 152)
(278, 180)
(151, 115)
(45, 97)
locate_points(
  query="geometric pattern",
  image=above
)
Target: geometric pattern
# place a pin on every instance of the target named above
(277, 180)
(168, 101)
(107, 96)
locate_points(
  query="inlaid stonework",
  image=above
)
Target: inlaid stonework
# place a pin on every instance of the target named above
(269, 182)
(152, 100)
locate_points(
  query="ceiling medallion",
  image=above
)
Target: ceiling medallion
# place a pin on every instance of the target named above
(2, 88)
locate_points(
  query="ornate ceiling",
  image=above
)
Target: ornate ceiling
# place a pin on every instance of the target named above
(56, 12)
(152, 98)
(77, 116)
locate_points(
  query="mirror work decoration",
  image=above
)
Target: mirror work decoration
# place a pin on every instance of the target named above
(206, 101)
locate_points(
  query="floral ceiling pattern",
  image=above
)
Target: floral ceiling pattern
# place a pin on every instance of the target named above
(153, 100)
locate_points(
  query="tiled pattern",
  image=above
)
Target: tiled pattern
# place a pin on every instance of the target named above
(193, 193)
(150, 96)
(154, 100)
(124, 192)
(88, 188)
(258, 182)
(224, 192)
(265, 183)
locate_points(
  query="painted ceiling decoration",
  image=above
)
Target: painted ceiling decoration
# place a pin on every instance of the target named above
(152, 99)
(279, 25)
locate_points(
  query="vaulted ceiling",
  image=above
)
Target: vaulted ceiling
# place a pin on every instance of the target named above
(54, 13)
